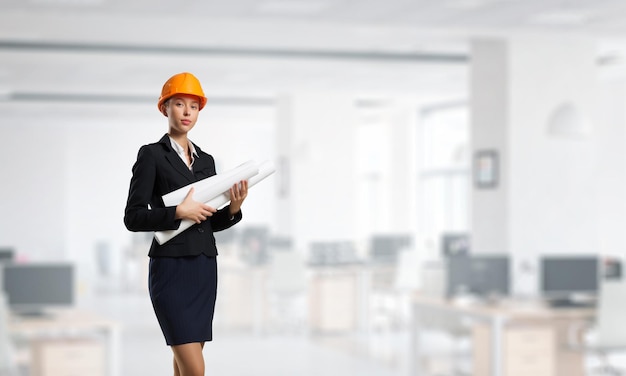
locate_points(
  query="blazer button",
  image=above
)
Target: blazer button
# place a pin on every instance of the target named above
(200, 229)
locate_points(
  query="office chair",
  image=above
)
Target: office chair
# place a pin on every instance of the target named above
(390, 288)
(407, 281)
(287, 287)
(449, 338)
(608, 333)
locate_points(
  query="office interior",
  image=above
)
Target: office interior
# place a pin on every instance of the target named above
(448, 196)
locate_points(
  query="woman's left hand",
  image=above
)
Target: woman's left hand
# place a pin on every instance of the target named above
(238, 193)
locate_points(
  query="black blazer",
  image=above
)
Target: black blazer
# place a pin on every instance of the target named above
(157, 171)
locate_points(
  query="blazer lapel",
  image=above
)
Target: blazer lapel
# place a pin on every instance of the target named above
(200, 164)
(175, 160)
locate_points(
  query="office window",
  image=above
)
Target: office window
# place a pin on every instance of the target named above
(443, 171)
(373, 154)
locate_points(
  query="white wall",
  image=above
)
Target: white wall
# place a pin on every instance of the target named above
(34, 186)
(552, 177)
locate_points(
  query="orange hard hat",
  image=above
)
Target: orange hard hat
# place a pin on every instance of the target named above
(181, 83)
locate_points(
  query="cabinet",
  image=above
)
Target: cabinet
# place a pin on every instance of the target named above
(525, 351)
(242, 302)
(67, 342)
(68, 358)
(333, 300)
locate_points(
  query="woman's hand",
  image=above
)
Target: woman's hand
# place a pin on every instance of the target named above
(193, 210)
(238, 193)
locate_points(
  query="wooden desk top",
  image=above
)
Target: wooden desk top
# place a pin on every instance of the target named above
(508, 309)
(63, 319)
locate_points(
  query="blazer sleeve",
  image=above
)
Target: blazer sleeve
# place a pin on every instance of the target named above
(221, 219)
(145, 210)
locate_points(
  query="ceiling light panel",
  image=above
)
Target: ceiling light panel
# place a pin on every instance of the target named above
(292, 7)
(64, 3)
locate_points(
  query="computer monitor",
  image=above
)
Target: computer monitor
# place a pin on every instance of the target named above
(31, 288)
(485, 276)
(564, 277)
(384, 248)
(280, 243)
(7, 255)
(611, 269)
(329, 253)
(253, 245)
(455, 244)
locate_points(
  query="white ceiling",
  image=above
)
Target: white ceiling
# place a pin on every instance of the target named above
(598, 16)
(250, 50)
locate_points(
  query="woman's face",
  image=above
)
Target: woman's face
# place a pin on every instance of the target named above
(182, 112)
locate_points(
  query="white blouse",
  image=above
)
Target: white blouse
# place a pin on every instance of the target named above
(181, 152)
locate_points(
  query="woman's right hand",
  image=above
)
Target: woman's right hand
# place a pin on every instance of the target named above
(193, 210)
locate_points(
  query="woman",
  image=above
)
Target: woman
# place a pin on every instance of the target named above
(183, 271)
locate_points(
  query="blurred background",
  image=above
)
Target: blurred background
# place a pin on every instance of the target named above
(449, 196)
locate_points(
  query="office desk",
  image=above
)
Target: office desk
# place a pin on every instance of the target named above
(65, 324)
(497, 319)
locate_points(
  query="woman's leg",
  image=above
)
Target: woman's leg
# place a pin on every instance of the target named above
(176, 369)
(188, 359)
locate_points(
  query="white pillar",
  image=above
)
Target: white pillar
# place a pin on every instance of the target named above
(489, 131)
(610, 180)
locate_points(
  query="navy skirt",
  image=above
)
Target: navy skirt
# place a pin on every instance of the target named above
(183, 292)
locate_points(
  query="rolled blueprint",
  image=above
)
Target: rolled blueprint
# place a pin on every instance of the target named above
(211, 187)
(265, 169)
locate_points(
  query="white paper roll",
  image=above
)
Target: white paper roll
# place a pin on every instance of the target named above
(210, 187)
(265, 169)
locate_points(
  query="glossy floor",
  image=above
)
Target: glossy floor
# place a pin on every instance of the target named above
(242, 353)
